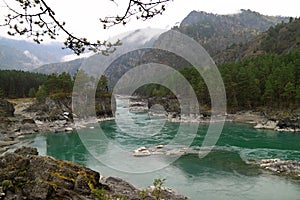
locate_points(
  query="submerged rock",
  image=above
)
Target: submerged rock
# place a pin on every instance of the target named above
(141, 151)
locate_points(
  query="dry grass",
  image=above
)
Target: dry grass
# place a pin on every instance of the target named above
(21, 100)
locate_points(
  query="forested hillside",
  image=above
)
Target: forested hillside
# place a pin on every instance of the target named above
(217, 32)
(268, 80)
(266, 76)
(279, 39)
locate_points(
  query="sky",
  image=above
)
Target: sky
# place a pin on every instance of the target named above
(82, 17)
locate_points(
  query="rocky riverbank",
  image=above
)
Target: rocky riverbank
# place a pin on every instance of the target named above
(26, 116)
(170, 109)
(285, 125)
(287, 120)
(26, 175)
(290, 168)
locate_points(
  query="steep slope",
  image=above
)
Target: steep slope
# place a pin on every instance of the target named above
(280, 39)
(217, 32)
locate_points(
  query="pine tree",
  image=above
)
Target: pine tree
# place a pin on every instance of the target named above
(32, 92)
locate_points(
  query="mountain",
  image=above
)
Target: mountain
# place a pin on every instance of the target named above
(216, 32)
(280, 39)
(94, 64)
(24, 55)
(71, 67)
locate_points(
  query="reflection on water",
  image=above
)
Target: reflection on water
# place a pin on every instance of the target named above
(66, 147)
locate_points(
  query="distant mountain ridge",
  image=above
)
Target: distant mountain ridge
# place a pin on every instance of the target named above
(25, 55)
(216, 32)
(139, 38)
(70, 67)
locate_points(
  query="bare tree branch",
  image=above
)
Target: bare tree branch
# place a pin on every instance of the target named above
(140, 9)
(37, 20)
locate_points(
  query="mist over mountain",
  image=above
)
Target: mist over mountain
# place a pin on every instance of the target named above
(96, 63)
(215, 33)
(25, 55)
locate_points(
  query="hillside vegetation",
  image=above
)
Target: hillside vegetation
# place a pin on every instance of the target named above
(280, 39)
(216, 32)
(261, 74)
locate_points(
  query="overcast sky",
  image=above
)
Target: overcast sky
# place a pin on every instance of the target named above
(82, 17)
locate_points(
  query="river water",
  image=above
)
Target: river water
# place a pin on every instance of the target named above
(223, 174)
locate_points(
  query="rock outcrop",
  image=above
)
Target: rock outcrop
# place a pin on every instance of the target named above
(289, 168)
(270, 124)
(61, 109)
(26, 175)
(287, 125)
(105, 107)
(52, 109)
(6, 108)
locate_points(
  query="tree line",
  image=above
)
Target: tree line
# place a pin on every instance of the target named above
(269, 80)
(266, 81)
(20, 84)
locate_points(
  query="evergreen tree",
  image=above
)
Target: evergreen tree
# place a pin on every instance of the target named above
(102, 86)
(1, 93)
(32, 93)
(41, 94)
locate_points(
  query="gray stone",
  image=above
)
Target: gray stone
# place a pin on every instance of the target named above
(26, 151)
(6, 108)
(81, 185)
(289, 168)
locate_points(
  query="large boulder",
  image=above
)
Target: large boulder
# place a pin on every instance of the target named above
(6, 108)
(26, 175)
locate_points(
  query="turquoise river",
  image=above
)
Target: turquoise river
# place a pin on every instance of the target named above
(225, 173)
